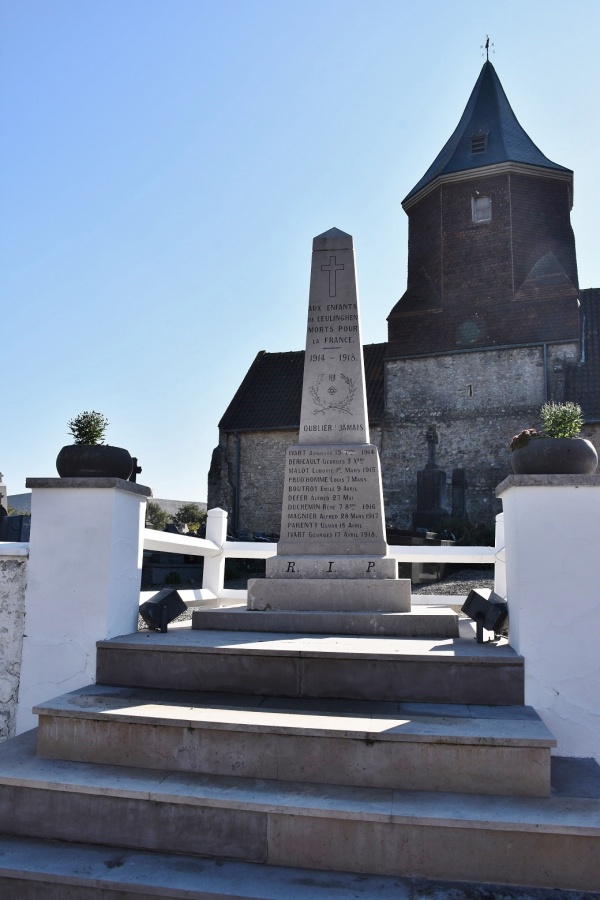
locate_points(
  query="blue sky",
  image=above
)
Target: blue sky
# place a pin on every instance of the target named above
(166, 164)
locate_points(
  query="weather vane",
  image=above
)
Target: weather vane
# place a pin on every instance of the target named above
(486, 47)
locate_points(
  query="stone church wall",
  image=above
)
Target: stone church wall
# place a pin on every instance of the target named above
(250, 464)
(477, 402)
(261, 472)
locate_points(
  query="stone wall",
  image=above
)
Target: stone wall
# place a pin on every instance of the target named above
(250, 464)
(13, 571)
(477, 401)
(261, 471)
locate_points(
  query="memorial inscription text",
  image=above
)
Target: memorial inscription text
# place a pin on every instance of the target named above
(326, 493)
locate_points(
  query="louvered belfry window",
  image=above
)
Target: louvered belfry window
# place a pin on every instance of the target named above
(478, 142)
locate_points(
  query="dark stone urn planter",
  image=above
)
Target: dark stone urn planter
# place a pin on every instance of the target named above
(94, 461)
(555, 456)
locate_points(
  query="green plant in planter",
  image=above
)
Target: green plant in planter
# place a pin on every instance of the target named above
(561, 420)
(88, 428)
(557, 449)
(88, 456)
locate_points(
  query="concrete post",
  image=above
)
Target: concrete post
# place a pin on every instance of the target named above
(551, 525)
(83, 581)
(214, 566)
(500, 561)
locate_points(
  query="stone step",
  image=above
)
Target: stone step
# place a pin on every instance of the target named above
(34, 869)
(551, 842)
(481, 750)
(425, 622)
(444, 670)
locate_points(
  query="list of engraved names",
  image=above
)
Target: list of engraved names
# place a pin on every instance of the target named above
(332, 492)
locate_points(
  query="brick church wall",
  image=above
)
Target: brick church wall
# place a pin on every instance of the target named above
(481, 262)
(541, 224)
(476, 255)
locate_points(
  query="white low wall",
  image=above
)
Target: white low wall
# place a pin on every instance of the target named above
(13, 573)
(551, 528)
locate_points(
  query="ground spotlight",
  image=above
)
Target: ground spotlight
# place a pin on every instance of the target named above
(161, 609)
(487, 609)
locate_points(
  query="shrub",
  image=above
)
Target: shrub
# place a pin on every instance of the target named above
(88, 428)
(561, 420)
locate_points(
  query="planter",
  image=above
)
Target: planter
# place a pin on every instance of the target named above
(555, 456)
(94, 461)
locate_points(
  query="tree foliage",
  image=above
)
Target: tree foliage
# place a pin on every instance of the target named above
(156, 517)
(18, 512)
(190, 514)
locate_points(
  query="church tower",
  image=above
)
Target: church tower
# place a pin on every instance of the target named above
(489, 326)
(491, 255)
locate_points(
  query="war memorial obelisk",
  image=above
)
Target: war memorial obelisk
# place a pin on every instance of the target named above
(332, 553)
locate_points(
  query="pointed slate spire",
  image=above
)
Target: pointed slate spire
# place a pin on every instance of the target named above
(488, 134)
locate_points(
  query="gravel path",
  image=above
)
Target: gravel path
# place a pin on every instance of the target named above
(459, 582)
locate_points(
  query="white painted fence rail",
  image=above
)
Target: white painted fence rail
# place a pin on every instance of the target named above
(215, 549)
(444, 554)
(11, 548)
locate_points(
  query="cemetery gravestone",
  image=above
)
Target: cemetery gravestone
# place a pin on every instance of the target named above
(332, 553)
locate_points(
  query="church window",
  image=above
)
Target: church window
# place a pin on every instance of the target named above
(478, 142)
(481, 208)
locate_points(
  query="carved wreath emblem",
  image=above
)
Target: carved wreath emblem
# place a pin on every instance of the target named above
(322, 406)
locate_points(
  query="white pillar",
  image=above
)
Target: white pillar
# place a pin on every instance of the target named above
(551, 528)
(83, 581)
(214, 566)
(500, 562)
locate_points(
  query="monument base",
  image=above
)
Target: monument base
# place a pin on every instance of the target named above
(431, 622)
(331, 595)
(325, 568)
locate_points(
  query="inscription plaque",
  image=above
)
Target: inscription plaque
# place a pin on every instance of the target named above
(332, 501)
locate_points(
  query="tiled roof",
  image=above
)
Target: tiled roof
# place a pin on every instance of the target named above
(270, 395)
(489, 115)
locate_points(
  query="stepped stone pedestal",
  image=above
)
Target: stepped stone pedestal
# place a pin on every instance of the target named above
(332, 555)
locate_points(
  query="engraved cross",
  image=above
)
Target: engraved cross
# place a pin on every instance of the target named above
(332, 268)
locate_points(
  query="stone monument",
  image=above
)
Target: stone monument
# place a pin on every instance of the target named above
(332, 554)
(431, 489)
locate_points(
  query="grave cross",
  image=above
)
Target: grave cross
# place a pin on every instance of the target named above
(332, 268)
